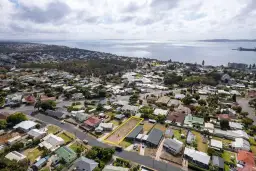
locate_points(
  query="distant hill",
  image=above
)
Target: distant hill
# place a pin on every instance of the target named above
(228, 40)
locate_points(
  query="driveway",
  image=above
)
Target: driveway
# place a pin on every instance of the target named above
(159, 150)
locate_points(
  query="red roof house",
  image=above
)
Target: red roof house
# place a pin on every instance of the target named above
(247, 158)
(92, 122)
(223, 116)
(44, 98)
(30, 99)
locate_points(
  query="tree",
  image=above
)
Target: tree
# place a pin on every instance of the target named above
(202, 102)
(187, 100)
(203, 62)
(244, 114)
(238, 109)
(99, 107)
(3, 124)
(16, 118)
(247, 122)
(49, 104)
(172, 78)
(224, 124)
(234, 97)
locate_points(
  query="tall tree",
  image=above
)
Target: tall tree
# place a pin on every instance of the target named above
(203, 62)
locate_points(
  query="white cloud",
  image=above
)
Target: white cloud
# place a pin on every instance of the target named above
(129, 19)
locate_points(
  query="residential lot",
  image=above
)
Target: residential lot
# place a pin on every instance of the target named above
(33, 154)
(201, 146)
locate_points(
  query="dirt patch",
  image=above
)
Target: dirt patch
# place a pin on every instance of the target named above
(150, 152)
(170, 158)
(121, 132)
(4, 138)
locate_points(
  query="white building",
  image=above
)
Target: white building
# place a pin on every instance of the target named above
(160, 112)
(216, 144)
(25, 125)
(36, 133)
(51, 142)
(14, 155)
(241, 144)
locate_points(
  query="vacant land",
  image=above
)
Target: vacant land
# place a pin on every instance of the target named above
(32, 154)
(150, 152)
(52, 129)
(123, 130)
(4, 138)
(147, 126)
(200, 145)
(169, 157)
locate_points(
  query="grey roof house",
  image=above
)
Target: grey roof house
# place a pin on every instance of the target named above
(132, 136)
(173, 146)
(56, 114)
(190, 138)
(218, 162)
(154, 137)
(85, 164)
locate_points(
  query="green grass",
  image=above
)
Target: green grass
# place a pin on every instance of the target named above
(226, 155)
(200, 145)
(225, 142)
(77, 145)
(177, 134)
(45, 169)
(125, 144)
(160, 127)
(52, 129)
(226, 167)
(253, 148)
(115, 122)
(77, 107)
(252, 141)
(32, 155)
(65, 137)
(138, 76)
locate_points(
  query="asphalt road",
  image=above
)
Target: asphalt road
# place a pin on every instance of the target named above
(132, 156)
(243, 102)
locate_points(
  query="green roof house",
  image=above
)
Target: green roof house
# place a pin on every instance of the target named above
(192, 121)
(67, 154)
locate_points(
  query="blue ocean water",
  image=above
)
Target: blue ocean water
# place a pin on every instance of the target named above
(214, 53)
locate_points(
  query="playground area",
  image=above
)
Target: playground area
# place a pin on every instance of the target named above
(122, 131)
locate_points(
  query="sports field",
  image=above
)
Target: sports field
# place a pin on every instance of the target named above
(122, 131)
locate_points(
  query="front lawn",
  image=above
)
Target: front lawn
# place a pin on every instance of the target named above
(226, 155)
(65, 137)
(200, 145)
(33, 154)
(52, 129)
(77, 146)
(125, 144)
(77, 107)
(115, 122)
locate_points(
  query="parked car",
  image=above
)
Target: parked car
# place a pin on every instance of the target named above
(85, 141)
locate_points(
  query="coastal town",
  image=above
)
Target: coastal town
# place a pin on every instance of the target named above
(158, 115)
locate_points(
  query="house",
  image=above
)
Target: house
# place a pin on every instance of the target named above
(241, 144)
(130, 109)
(40, 163)
(51, 142)
(225, 78)
(135, 132)
(199, 158)
(173, 146)
(245, 159)
(119, 117)
(14, 155)
(80, 116)
(30, 99)
(4, 115)
(216, 144)
(44, 98)
(25, 126)
(84, 164)
(154, 137)
(160, 112)
(228, 111)
(183, 109)
(36, 133)
(190, 138)
(235, 125)
(174, 103)
(168, 133)
(179, 96)
(175, 117)
(223, 116)
(209, 127)
(231, 134)
(107, 126)
(163, 100)
(14, 140)
(92, 122)
(107, 107)
(66, 154)
(114, 168)
(56, 114)
(218, 162)
(193, 121)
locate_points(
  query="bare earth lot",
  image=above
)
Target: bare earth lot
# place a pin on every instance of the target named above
(122, 131)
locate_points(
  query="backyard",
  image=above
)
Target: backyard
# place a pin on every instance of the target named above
(78, 146)
(200, 145)
(33, 154)
(177, 134)
(52, 129)
(5, 137)
(160, 127)
(225, 142)
(147, 126)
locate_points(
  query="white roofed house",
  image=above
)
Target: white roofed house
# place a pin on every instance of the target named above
(197, 158)
(36, 133)
(241, 144)
(25, 126)
(160, 112)
(14, 155)
(131, 109)
(216, 144)
(51, 142)
(209, 127)
(235, 126)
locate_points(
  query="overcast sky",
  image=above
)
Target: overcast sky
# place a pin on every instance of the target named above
(127, 19)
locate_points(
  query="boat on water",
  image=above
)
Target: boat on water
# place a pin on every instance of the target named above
(245, 49)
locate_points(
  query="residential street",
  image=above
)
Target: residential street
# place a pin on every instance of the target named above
(132, 156)
(246, 108)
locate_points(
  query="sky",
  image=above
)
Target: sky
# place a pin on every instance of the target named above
(127, 19)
